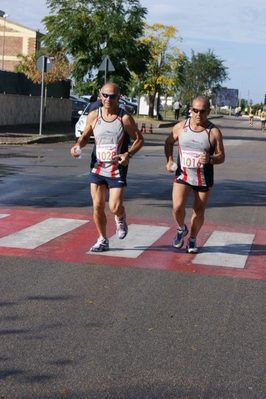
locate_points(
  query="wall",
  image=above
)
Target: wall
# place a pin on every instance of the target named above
(20, 110)
(144, 105)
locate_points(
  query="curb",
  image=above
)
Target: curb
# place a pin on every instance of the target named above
(20, 139)
(55, 138)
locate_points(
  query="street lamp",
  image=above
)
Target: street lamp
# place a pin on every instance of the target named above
(4, 16)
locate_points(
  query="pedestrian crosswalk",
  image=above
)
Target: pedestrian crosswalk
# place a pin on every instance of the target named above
(40, 233)
(148, 245)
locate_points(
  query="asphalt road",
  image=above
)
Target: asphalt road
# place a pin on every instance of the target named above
(78, 330)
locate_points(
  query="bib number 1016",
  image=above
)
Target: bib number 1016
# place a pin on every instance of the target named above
(191, 159)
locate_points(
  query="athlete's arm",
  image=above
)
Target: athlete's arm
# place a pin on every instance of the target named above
(169, 145)
(216, 140)
(87, 132)
(131, 129)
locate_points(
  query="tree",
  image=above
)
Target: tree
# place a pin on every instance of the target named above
(201, 75)
(159, 77)
(87, 31)
(60, 70)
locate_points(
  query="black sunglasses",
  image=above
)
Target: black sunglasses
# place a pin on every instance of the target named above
(112, 96)
(201, 111)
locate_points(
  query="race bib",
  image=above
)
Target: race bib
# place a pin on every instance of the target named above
(191, 159)
(105, 152)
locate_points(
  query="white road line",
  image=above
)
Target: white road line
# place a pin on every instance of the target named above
(139, 238)
(225, 249)
(4, 215)
(40, 233)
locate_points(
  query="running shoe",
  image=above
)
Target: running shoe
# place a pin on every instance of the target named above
(192, 246)
(121, 228)
(101, 245)
(178, 241)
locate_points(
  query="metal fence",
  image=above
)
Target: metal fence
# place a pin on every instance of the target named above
(18, 83)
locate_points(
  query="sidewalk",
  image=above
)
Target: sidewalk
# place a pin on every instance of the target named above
(56, 132)
(29, 134)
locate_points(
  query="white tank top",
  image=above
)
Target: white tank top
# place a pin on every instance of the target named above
(191, 145)
(110, 139)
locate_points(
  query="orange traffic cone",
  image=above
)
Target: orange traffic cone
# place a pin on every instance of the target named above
(142, 128)
(150, 131)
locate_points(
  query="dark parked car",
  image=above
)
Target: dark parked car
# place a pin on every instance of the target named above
(130, 107)
(77, 105)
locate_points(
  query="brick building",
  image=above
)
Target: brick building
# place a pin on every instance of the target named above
(16, 39)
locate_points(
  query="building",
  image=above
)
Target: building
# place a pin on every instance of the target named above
(16, 39)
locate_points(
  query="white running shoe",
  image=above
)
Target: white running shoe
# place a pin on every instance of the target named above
(101, 245)
(178, 241)
(192, 246)
(121, 228)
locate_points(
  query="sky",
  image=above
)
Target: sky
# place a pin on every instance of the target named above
(236, 33)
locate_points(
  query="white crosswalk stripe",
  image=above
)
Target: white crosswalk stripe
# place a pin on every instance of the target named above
(225, 249)
(139, 238)
(40, 233)
(4, 215)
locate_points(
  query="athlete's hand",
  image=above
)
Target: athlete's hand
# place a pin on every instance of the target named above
(123, 159)
(204, 159)
(75, 151)
(171, 166)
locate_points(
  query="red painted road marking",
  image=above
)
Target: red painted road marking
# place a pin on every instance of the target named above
(73, 245)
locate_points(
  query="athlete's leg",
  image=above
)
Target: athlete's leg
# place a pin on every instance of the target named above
(116, 206)
(98, 194)
(180, 195)
(198, 211)
(116, 199)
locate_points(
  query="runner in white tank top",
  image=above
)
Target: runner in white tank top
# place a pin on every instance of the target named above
(200, 146)
(110, 139)
(191, 145)
(112, 128)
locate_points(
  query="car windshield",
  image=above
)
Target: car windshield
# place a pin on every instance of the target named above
(78, 105)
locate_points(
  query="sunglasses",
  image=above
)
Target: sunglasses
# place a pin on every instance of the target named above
(201, 111)
(111, 96)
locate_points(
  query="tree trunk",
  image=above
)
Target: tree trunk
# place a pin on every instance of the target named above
(151, 105)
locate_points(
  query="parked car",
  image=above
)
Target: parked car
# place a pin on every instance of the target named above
(123, 104)
(80, 125)
(131, 107)
(74, 97)
(77, 105)
(86, 98)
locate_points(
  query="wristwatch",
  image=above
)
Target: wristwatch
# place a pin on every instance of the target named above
(130, 155)
(211, 160)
